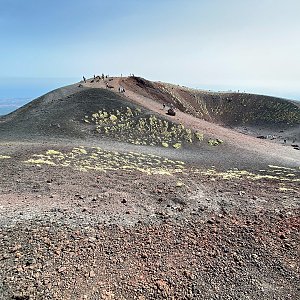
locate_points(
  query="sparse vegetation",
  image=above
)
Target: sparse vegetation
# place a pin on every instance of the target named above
(177, 145)
(279, 174)
(137, 128)
(215, 142)
(84, 159)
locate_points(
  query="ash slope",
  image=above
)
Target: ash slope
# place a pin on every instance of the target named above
(258, 113)
(67, 112)
(60, 113)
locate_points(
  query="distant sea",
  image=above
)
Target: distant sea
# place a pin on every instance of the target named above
(15, 92)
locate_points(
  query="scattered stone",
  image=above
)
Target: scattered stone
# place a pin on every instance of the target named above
(163, 287)
(282, 236)
(92, 274)
(16, 248)
(62, 269)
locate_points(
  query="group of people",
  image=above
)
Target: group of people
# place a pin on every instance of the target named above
(103, 77)
(121, 89)
(96, 77)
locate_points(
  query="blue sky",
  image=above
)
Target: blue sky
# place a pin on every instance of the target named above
(251, 45)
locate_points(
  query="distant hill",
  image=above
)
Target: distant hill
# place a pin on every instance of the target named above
(223, 108)
(59, 113)
(63, 112)
(234, 110)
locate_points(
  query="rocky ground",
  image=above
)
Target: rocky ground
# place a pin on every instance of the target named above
(127, 234)
(104, 196)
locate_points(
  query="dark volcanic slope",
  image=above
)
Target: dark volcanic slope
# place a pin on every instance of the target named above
(60, 113)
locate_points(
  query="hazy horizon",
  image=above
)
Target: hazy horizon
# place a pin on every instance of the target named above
(16, 92)
(250, 45)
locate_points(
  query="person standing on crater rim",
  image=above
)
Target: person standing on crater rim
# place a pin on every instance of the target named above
(84, 79)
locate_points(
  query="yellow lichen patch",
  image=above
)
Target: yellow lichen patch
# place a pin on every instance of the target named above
(84, 159)
(290, 175)
(177, 145)
(40, 162)
(164, 144)
(215, 142)
(179, 167)
(199, 136)
(53, 152)
(79, 150)
(278, 167)
(160, 172)
(261, 175)
(136, 127)
(284, 189)
(113, 118)
(5, 156)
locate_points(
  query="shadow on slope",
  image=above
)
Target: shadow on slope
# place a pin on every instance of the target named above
(59, 113)
(94, 113)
